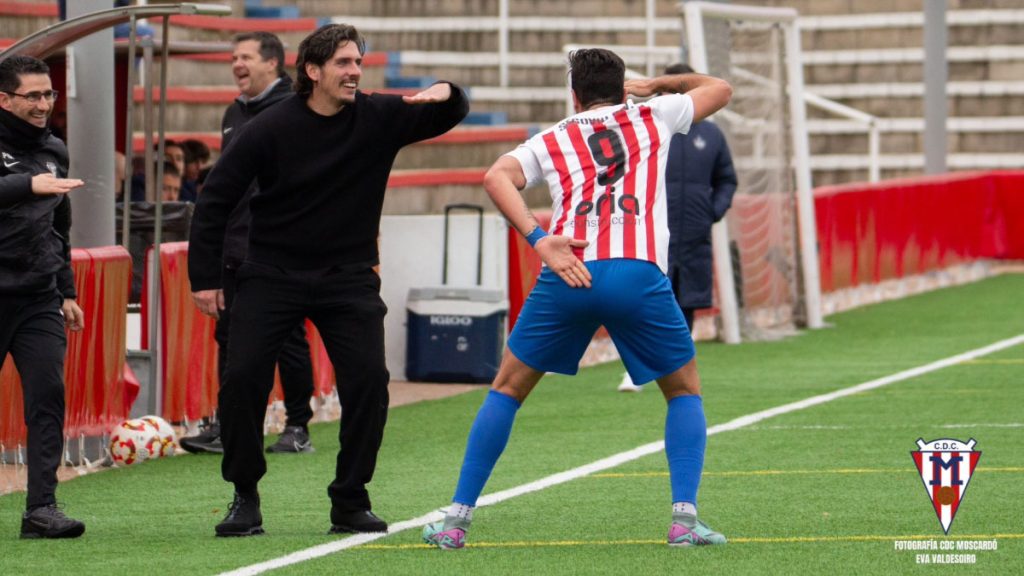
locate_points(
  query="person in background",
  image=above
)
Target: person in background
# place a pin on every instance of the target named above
(37, 284)
(700, 182)
(175, 152)
(170, 188)
(258, 68)
(197, 155)
(119, 167)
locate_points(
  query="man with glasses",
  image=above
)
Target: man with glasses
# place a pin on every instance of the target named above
(37, 286)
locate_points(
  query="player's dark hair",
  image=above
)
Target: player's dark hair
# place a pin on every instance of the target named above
(170, 168)
(318, 47)
(270, 46)
(597, 76)
(678, 68)
(17, 65)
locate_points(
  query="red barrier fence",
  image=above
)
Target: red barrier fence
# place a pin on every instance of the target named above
(873, 232)
(97, 394)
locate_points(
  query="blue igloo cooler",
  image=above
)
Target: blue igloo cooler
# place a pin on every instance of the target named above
(455, 334)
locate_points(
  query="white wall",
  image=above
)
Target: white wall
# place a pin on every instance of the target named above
(411, 255)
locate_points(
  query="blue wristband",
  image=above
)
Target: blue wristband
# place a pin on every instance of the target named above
(536, 235)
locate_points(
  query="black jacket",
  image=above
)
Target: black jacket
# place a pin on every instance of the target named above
(700, 182)
(35, 255)
(236, 237)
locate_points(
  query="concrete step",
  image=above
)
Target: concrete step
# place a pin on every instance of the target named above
(1002, 62)
(23, 17)
(418, 8)
(983, 98)
(904, 29)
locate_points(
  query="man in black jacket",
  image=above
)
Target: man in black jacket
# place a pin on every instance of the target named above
(257, 64)
(37, 286)
(700, 182)
(322, 159)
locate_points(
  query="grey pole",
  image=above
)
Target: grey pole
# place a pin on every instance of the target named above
(935, 75)
(90, 107)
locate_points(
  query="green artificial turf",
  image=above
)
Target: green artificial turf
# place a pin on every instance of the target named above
(828, 489)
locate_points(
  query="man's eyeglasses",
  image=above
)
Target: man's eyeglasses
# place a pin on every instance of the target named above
(35, 97)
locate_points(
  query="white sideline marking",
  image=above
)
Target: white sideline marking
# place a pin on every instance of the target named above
(621, 458)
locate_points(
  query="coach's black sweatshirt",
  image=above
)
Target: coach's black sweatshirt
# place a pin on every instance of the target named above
(321, 182)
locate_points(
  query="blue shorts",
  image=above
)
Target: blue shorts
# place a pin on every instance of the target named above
(631, 298)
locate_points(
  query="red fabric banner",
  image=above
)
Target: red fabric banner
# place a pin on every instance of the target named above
(873, 232)
(94, 367)
(523, 267)
(190, 349)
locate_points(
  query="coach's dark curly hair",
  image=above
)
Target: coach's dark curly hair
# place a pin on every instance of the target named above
(597, 76)
(318, 47)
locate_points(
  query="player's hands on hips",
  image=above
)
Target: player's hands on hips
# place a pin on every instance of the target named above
(209, 302)
(74, 318)
(439, 92)
(47, 183)
(556, 252)
(639, 88)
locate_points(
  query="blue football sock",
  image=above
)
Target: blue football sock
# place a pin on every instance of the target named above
(686, 434)
(487, 440)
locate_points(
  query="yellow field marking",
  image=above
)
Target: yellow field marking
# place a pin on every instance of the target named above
(739, 540)
(737, 473)
(995, 361)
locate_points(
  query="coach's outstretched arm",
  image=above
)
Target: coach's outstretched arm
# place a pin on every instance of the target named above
(503, 182)
(709, 94)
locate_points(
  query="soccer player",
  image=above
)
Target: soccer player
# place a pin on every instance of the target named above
(604, 264)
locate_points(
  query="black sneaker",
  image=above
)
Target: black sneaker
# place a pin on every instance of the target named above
(293, 439)
(49, 522)
(208, 440)
(244, 517)
(356, 521)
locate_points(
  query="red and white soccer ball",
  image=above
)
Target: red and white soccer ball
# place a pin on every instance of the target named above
(168, 440)
(134, 441)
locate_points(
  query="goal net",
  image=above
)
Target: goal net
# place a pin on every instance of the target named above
(765, 252)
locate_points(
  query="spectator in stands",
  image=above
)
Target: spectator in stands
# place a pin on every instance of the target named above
(258, 67)
(197, 157)
(605, 169)
(123, 30)
(175, 152)
(37, 285)
(322, 159)
(700, 182)
(119, 167)
(170, 187)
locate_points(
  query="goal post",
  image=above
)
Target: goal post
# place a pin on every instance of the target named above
(765, 250)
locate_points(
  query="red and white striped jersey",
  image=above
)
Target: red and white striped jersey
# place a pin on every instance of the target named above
(605, 169)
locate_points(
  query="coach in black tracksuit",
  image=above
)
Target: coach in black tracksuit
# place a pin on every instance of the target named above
(322, 160)
(37, 286)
